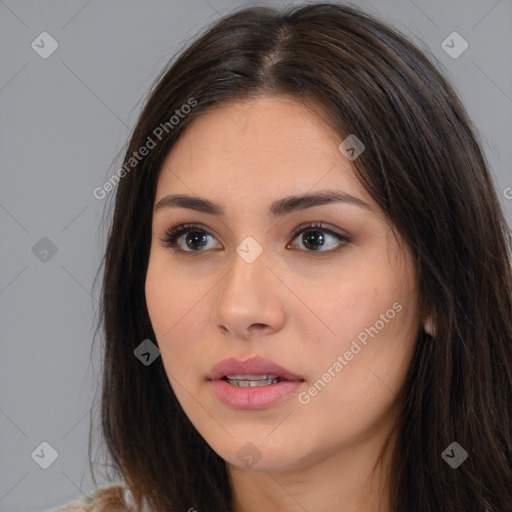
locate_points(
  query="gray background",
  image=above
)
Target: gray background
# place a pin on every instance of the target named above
(63, 121)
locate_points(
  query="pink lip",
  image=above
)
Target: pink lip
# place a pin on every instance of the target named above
(252, 366)
(257, 397)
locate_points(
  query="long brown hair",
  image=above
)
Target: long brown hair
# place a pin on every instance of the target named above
(422, 165)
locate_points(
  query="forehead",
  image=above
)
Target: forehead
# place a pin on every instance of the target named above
(269, 120)
(256, 145)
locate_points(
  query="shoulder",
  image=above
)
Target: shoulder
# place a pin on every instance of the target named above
(114, 498)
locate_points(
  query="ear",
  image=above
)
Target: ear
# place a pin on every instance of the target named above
(429, 327)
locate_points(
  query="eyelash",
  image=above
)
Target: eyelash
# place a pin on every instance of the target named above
(175, 231)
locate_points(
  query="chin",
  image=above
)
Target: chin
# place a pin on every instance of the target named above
(268, 462)
(258, 454)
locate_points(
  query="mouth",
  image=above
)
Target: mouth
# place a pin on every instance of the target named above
(255, 371)
(255, 383)
(249, 381)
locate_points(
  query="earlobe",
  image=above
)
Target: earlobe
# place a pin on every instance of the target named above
(430, 328)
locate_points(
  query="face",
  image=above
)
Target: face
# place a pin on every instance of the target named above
(335, 305)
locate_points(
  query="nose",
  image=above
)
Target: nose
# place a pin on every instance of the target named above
(249, 299)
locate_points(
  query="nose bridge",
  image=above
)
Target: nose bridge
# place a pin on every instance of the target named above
(245, 292)
(248, 267)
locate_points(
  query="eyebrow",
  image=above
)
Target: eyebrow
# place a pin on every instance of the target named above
(278, 208)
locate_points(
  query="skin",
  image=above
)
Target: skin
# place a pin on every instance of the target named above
(296, 306)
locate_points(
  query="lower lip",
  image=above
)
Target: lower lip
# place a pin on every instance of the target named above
(255, 397)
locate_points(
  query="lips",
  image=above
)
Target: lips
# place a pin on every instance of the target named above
(253, 384)
(256, 366)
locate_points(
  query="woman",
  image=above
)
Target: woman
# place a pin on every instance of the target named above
(344, 341)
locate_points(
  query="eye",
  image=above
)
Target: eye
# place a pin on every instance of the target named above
(316, 238)
(197, 236)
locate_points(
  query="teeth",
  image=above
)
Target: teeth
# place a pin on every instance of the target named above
(251, 382)
(249, 377)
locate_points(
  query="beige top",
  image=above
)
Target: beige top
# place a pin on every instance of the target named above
(114, 498)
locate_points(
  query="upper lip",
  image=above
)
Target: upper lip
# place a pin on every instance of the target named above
(252, 366)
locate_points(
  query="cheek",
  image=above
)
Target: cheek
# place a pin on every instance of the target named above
(178, 317)
(370, 320)
(169, 297)
(159, 299)
(349, 302)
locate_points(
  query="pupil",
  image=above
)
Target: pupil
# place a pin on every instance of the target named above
(310, 239)
(195, 235)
